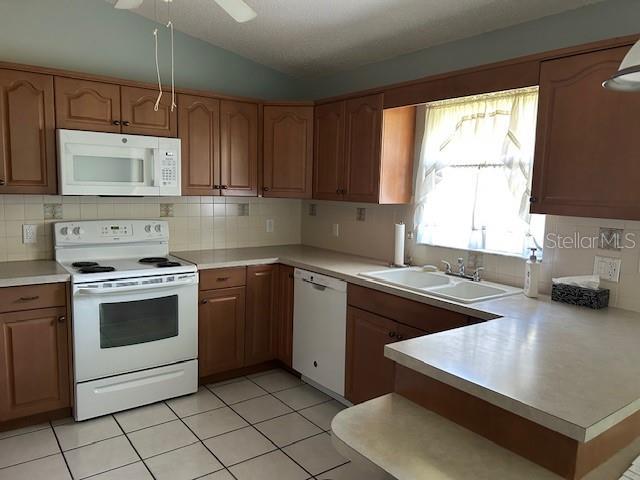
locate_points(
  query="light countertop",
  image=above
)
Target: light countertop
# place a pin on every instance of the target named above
(31, 272)
(393, 435)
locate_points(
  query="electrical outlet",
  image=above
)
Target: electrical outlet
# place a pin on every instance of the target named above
(608, 268)
(29, 233)
(269, 225)
(335, 230)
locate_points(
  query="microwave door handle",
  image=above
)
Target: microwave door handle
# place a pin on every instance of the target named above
(155, 171)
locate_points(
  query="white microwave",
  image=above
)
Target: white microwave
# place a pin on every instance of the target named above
(95, 163)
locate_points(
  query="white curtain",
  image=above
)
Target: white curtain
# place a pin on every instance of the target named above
(474, 178)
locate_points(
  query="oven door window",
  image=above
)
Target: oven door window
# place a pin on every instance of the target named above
(140, 321)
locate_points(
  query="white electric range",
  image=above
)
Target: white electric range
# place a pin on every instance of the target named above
(135, 318)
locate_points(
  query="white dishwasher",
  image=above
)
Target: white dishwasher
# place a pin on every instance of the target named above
(320, 329)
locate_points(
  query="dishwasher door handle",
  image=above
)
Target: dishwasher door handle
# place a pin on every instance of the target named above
(322, 288)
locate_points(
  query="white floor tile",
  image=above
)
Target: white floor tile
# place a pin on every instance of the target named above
(216, 422)
(161, 438)
(29, 446)
(279, 380)
(238, 391)
(302, 397)
(100, 457)
(199, 402)
(272, 466)
(183, 464)
(261, 408)
(315, 454)
(288, 429)
(47, 468)
(239, 445)
(78, 434)
(321, 415)
(135, 471)
(20, 431)
(350, 471)
(144, 417)
(221, 475)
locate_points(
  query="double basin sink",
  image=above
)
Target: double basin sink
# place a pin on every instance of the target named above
(441, 285)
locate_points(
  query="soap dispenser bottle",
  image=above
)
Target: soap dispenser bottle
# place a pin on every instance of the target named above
(531, 275)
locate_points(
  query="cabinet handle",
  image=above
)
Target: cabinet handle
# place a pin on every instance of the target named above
(216, 187)
(266, 189)
(116, 122)
(222, 279)
(223, 187)
(29, 299)
(392, 334)
(533, 199)
(62, 319)
(204, 302)
(338, 191)
(399, 337)
(291, 275)
(1, 181)
(126, 123)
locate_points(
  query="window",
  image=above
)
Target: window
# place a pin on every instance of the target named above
(474, 178)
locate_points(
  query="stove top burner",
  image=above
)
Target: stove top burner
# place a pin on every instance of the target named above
(96, 269)
(83, 264)
(153, 260)
(167, 264)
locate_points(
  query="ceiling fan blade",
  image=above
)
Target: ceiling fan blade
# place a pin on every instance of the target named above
(238, 10)
(128, 4)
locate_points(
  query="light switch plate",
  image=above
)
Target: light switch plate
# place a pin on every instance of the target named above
(335, 230)
(29, 233)
(269, 225)
(608, 268)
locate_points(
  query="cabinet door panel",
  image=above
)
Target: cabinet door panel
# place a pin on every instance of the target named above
(139, 116)
(199, 132)
(586, 147)
(288, 151)
(27, 138)
(369, 373)
(362, 153)
(239, 148)
(221, 330)
(328, 172)
(260, 320)
(284, 331)
(87, 105)
(34, 373)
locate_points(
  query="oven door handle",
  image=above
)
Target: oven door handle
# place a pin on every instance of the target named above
(133, 288)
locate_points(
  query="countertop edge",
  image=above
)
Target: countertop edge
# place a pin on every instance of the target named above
(34, 280)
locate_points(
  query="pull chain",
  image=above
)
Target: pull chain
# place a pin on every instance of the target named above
(173, 83)
(155, 107)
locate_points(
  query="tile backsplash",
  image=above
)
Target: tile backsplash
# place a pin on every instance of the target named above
(194, 222)
(571, 244)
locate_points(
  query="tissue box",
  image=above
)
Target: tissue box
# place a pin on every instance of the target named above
(586, 297)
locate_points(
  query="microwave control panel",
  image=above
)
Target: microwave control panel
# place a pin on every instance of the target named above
(169, 169)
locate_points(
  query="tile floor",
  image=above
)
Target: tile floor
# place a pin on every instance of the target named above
(267, 426)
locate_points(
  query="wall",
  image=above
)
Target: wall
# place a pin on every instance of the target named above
(91, 36)
(195, 222)
(599, 21)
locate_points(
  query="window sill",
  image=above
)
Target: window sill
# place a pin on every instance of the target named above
(486, 252)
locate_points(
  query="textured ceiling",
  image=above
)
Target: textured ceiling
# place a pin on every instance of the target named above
(315, 37)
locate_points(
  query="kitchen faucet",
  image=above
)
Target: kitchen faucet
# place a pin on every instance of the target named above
(461, 273)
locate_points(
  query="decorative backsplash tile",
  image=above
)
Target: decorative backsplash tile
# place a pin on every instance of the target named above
(195, 222)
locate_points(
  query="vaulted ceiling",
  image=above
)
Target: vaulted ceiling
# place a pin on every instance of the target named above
(315, 37)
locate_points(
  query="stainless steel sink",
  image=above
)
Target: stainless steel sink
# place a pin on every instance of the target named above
(441, 285)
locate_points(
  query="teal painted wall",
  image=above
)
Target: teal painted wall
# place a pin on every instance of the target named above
(607, 19)
(91, 36)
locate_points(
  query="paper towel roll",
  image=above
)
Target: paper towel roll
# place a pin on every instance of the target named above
(398, 256)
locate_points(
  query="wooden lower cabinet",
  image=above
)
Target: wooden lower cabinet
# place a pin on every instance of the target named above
(221, 325)
(261, 314)
(34, 361)
(284, 322)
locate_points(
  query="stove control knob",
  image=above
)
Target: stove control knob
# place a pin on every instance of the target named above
(147, 228)
(77, 231)
(64, 231)
(158, 228)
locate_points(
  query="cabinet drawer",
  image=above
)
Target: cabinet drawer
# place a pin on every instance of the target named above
(30, 297)
(223, 278)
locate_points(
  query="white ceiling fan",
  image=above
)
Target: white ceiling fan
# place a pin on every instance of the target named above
(237, 9)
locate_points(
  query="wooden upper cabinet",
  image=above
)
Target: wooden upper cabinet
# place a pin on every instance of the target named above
(199, 132)
(260, 320)
(221, 323)
(363, 139)
(87, 105)
(27, 141)
(329, 132)
(586, 157)
(139, 116)
(34, 362)
(238, 148)
(288, 151)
